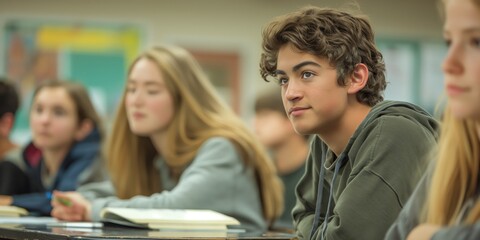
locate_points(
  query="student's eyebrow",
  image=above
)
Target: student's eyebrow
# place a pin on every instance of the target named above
(148, 82)
(302, 64)
(154, 83)
(472, 30)
(297, 67)
(466, 30)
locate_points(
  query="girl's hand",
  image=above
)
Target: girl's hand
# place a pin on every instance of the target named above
(70, 206)
(5, 200)
(423, 232)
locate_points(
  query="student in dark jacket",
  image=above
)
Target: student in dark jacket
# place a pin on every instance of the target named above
(65, 151)
(9, 150)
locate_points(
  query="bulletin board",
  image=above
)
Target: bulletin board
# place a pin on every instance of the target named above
(95, 54)
(402, 58)
(223, 70)
(413, 71)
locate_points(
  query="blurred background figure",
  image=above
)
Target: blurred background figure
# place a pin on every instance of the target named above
(287, 148)
(176, 145)
(9, 100)
(64, 152)
(9, 151)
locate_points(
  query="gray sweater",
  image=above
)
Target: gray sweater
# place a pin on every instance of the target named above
(410, 214)
(216, 179)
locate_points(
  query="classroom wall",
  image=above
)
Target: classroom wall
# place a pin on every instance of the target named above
(223, 24)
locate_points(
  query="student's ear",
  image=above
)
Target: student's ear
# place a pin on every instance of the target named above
(86, 126)
(358, 79)
(6, 124)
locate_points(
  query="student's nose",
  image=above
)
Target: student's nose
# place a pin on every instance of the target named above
(44, 117)
(453, 62)
(292, 91)
(137, 98)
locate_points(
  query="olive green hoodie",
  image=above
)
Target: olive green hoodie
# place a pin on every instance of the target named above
(365, 187)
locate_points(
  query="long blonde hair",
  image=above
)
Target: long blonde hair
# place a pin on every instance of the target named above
(455, 178)
(199, 115)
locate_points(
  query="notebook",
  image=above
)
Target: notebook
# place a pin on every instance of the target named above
(12, 211)
(169, 219)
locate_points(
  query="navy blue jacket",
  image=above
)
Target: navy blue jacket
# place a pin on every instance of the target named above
(78, 160)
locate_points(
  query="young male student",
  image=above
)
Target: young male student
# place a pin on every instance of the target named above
(288, 149)
(9, 151)
(367, 154)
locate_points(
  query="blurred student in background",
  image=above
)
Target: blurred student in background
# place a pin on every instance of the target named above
(288, 148)
(446, 203)
(175, 144)
(9, 105)
(65, 148)
(367, 154)
(9, 151)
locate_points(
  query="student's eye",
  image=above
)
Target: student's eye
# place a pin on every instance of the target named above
(281, 80)
(59, 112)
(448, 42)
(152, 91)
(475, 42)
(130, 89)
(307, 75)
(37, 109)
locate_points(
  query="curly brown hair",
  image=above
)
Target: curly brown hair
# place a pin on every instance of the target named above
(345, 40)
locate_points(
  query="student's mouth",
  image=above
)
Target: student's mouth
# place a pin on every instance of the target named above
(43, 134)
(454, 90)
(297, 111)
(138, 115)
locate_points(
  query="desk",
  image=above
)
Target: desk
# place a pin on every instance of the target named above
(113, 232)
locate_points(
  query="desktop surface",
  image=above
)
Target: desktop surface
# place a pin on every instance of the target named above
(37, 231)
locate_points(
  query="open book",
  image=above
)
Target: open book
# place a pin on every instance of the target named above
(171, 219)
(12, 211)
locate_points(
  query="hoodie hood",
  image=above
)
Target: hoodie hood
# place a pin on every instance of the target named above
(406, 110)
(401, 109)
(91, 143)
(79, 160)
(81, 154)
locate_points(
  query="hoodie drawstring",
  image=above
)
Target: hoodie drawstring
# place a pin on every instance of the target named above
(318, 204)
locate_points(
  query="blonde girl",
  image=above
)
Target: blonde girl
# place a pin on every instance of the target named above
(446, 203)
(175, 144)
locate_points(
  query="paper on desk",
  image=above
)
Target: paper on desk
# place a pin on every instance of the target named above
(27, 220)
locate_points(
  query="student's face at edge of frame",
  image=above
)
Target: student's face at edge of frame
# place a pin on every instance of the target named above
(53, 119)
(461, 66)
(148, 102)
(312, 98)
(272, 127)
